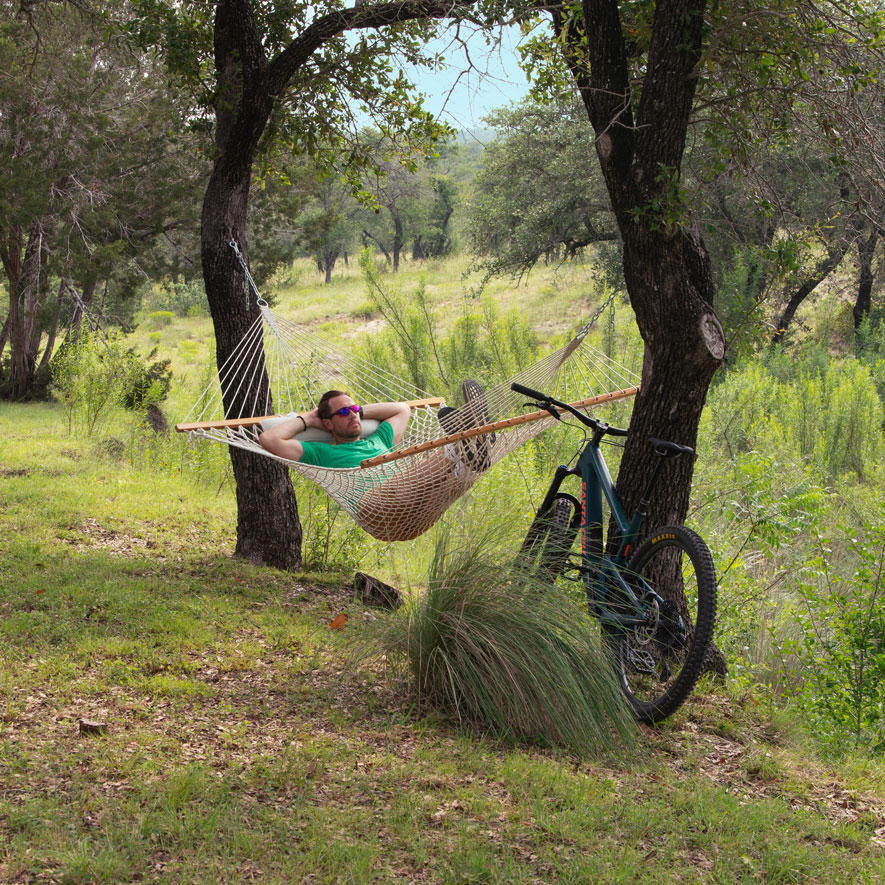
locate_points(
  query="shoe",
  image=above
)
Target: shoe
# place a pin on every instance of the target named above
(476, 451)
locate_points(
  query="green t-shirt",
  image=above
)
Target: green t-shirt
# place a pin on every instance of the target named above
(349, 454)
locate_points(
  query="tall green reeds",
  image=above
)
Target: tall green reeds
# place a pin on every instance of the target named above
(498, 651)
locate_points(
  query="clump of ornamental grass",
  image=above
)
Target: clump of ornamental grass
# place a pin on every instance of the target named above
(498, 650)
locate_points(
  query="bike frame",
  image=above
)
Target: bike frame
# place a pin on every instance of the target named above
(601, 573)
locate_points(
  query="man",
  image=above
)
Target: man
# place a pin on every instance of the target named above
(337, 413)
(400, 506)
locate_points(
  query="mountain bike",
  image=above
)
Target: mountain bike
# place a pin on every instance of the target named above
(656, 604)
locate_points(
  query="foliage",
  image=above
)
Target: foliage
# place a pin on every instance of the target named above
(146, 383)
(539, 194)
(837, 660)
(415, 196)
(829, 414)
(94, 163)
(332, 541)
(180, 298)
(92, 376)
(494, 650)
(487, 345)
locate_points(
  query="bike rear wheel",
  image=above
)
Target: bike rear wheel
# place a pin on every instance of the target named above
(549, 540)
(659, 663)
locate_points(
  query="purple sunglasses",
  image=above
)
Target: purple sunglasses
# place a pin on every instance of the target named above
(344, 411)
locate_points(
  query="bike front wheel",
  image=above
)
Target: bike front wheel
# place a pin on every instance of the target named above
(545, 550)
(659, 663)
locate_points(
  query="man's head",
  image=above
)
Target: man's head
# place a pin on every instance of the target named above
(336, 411)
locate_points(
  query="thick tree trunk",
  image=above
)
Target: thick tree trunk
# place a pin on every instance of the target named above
(666, 267)
(268, 527)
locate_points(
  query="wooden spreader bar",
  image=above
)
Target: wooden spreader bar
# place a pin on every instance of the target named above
(250, 422)
(495, 426)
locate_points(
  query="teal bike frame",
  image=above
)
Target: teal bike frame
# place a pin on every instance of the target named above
(610, 596)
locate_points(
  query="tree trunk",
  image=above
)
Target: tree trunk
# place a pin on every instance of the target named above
(4, 337)
(865, 249)
(367, 236)
(268, 527)
(397, 240)
(24, 273)
(821, 272)
(83, 302)
(666, 267)
(330, 256)
(53, 330)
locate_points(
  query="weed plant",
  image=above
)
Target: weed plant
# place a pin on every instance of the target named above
(835, 663)
(498, 651)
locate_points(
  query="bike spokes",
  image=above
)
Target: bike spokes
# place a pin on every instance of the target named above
(660, 660)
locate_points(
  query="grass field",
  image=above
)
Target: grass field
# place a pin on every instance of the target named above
(171, 714)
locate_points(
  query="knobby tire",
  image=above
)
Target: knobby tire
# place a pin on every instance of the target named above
(545, 551)
(659, 666)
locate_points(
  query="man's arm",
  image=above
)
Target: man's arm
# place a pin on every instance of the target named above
(397, 415)
(278, 440)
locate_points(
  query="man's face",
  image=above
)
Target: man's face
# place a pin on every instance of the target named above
(344, 428)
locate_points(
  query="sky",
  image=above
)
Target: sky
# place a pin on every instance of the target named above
(462, 96)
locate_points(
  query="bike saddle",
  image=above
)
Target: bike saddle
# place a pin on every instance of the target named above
(669, 449)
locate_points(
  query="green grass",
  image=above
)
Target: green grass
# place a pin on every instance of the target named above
(238, 742)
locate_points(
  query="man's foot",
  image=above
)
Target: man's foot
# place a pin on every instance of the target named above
(474, 413)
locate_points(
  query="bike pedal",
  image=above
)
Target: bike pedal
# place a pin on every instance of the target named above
(641, 661)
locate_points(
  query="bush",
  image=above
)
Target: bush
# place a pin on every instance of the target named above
(159, 319)
(145, 384)
(824, 410)
(494, 650)
(92, 376)
(836, 662)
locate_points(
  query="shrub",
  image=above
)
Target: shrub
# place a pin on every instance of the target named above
(837, 659)
(159, 319)
(88, 377)
(91, 376)
(496, 651)
(145, 384)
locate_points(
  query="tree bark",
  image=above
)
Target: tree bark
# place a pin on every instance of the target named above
(666, 267)
(865, 250)
(268, 527)
(397, 239)
(23, 262)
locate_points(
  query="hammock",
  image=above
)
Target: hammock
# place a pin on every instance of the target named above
(397, 496)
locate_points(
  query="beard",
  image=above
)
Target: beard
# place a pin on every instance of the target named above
(350, 434)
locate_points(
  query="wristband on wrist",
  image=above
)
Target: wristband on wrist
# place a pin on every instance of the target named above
(303, 422)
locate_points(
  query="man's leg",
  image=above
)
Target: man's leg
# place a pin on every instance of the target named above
(476, 450)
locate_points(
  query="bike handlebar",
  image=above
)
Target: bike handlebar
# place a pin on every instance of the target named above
(551, 405)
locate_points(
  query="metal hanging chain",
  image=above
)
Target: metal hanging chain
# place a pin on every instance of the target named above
(608, 301)
(258, 298)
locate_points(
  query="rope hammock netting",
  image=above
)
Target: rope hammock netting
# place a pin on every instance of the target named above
(397, 496)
